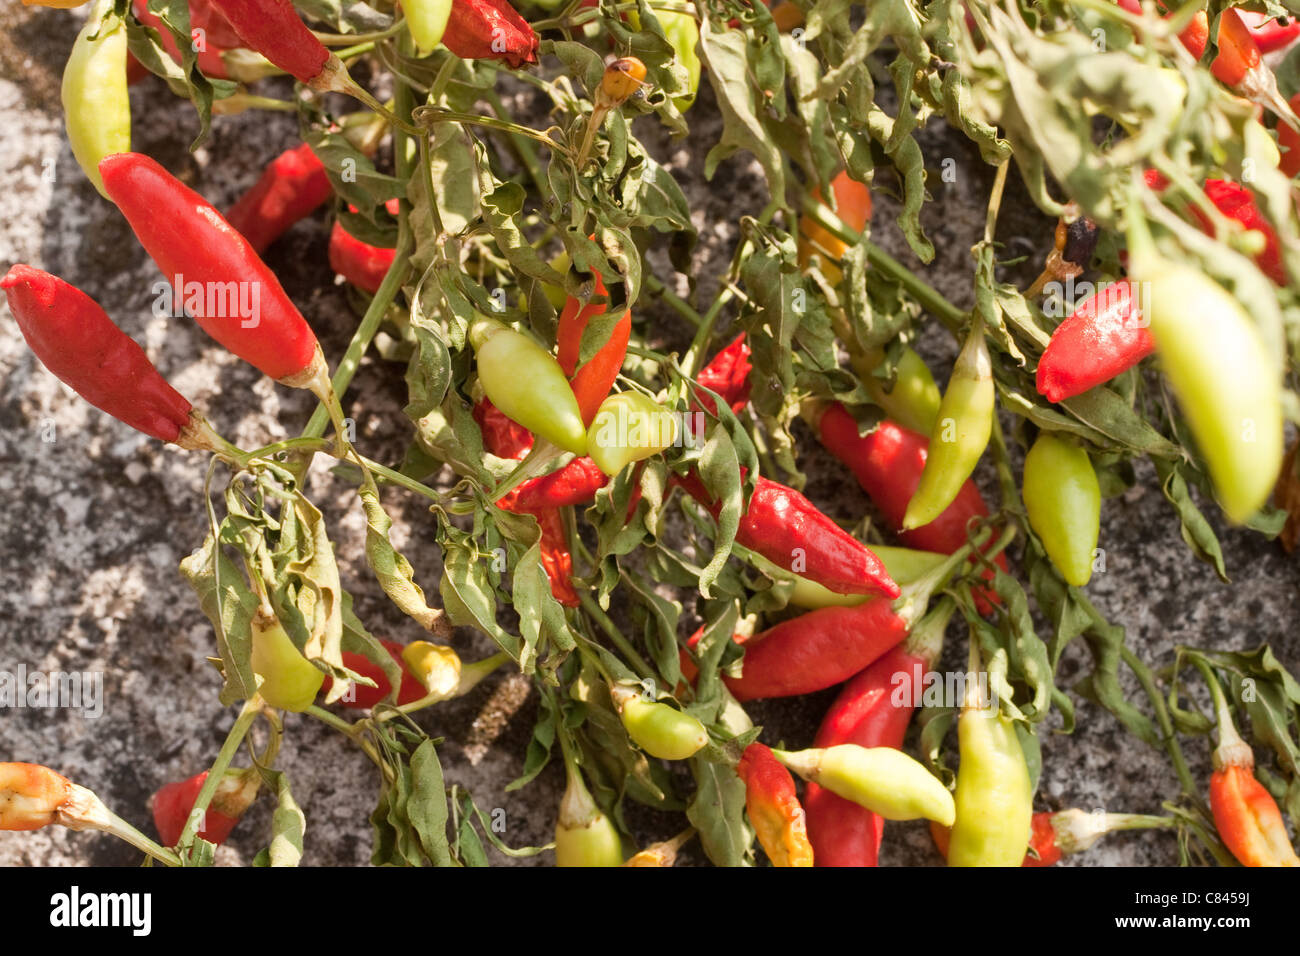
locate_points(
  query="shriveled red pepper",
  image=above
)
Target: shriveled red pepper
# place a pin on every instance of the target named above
(363, 697)
(865, 713)
(591, 383)
(490, 30)
(501, 436)
(1102, 338)
(1289, 140)
(773, 807)
(76, 340)
(556, 558)
(574, 484)
(274, 29)
(728, 375)
(211, 58)
(362, 264)
(207, 261)
(293, 186)
(1245, 814)
(791, 532)
(888, 463)
(172, 805)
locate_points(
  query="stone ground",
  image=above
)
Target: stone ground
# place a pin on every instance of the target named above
(98, 517)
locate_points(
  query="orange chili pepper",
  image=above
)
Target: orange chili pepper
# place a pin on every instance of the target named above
(774, 808)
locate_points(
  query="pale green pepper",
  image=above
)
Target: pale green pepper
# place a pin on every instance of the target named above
(886, 781)
(1063, 500)
(426, 19)
(526, 382)
(960, 434)
(628, 427)
(289, 681)
(584, 835)
(995, 805)
(914, 400)
(96, 106)
(658, 729)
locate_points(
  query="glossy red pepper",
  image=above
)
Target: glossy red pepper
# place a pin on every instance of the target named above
(868, 713)
(773, 807)
(76, 340)
(210, 265)
(888, 463)
(1104, 337)
(490, 30)
(817, 650)
(274, 29)
(362, 264)
(789, 530)
(728, 375)
(1270, 34)
(363, 697)
(293, 186)
(591, 383)
(172, 805)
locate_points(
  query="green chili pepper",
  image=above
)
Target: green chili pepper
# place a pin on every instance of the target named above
(1063, 500)
(526, 383)
(904, 565)
(914, 400)
(884, 780)
(629, 427)
(289, 681)
(426, 19)
(96, 106)
(658, 729)
(960, 434)
(584, 836)
(683, 32)
(1226, 382)
(995, 805)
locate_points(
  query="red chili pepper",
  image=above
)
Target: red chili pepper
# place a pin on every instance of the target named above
(362, 264)
(363, 697)
(291, 188)
(1103, 337)
(210, 58)
(1236, 202)
(274, 29)
(556, 558)
(592, 382)
(490, 30)
(1239, 62)
(1245, 814)
(172, 805)
(1270, 34)
(868, 713)
(574, 484)
(502, 436)
(816, 650)
(888, 463)
(1289, 140)
(789, 530)
(728, 375)
(78, 342)
(773, 807)
(209, 264)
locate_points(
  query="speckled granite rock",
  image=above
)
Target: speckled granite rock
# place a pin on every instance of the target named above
(98, 517)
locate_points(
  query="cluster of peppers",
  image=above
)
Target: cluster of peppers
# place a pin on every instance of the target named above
(870, 623)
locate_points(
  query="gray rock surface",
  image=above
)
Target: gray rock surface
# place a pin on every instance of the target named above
(97, 517)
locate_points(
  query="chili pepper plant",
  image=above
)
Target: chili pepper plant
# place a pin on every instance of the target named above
(610, 449)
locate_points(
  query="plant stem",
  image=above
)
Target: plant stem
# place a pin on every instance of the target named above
(598, 614)
(252, 707)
